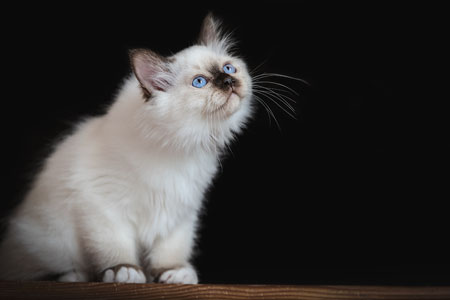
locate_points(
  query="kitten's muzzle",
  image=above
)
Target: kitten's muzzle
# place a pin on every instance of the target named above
(230, 82)
(225, 82)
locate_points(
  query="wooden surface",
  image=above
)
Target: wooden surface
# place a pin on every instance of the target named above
(92, 290)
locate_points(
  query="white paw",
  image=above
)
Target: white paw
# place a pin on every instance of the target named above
(126, 274)
(73, 276)
(182, 275)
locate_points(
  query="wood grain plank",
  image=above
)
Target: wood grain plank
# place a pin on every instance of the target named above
(92, 290)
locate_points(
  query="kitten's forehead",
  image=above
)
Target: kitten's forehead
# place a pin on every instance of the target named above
(201, 58)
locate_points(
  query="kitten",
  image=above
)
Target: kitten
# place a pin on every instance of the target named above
(118, 200)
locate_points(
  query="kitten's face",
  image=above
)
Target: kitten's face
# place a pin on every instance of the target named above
(203, 82)
(209, 84)
(197, 97)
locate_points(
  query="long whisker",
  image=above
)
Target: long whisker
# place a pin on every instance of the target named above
(268, 110)
(229, 149)
(277, 83)
(275, 89)
(277, 104)
(264, 75)
(211, 130)
(277, 96)
(214, 118)
(266, 107)
(265, 88)
(257, 67)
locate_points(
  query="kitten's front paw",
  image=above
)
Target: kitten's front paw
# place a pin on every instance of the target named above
(185, 275)
(124, 273)
(73, 276)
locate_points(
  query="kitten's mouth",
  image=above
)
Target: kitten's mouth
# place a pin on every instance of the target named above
(231, 103)
(232, 97)
(233, 94)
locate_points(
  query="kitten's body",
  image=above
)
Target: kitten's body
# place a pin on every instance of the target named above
(120, 197)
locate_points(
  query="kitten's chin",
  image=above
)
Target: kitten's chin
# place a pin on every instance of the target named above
(230, 106)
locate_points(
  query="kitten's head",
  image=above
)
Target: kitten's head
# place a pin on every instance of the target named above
(201, 94)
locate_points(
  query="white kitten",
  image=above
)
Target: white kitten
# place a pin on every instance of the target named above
(118, 199)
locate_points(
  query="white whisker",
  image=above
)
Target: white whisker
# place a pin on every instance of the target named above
(229, 149)
(288, 106)
(268, 110)
(265, 75)
(265, 107)
(279, 84)
(257, 67)
(270, 93)
(273, 91)
(277, 104)
(276, 92)
(278, 89)
(216, 142)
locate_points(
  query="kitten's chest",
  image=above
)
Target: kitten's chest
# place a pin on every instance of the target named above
(172, 192)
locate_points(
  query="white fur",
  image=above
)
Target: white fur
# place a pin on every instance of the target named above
(124, 274)
(126, 187)
(184, 275)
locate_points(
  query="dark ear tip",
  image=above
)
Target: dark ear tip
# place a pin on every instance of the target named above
(136, 54)
(209, 16)
(211, 19)
(133, 52)
(144, 53)
(132, 55)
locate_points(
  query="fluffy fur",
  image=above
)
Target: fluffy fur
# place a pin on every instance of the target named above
(118, 200)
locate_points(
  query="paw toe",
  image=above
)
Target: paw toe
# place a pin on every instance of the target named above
(124, 274)
(181, 275)
(108, 276)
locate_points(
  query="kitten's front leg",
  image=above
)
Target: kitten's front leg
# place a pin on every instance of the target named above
(169, 256)
(110, 245)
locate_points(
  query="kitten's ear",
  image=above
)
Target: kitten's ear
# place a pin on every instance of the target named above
(211, 35)
(151, 69)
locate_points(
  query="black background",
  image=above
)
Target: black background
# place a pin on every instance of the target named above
(353, 191)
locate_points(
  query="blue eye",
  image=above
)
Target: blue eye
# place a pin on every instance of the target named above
(199, 82)
(228, 68)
